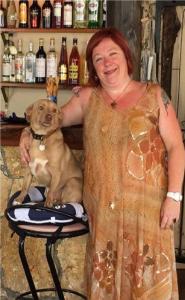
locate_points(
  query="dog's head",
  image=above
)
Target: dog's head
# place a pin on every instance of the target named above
(44, 116)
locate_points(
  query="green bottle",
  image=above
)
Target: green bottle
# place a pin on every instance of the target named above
(80, 14)
(93, 14)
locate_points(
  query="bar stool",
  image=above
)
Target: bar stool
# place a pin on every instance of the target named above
(51, 232)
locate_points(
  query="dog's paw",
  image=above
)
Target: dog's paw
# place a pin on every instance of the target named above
(51, 202)
(48, 203)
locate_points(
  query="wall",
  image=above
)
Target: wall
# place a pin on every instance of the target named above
(178, 68)
(177, 82)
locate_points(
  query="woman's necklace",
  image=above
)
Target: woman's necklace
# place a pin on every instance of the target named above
(114, 102)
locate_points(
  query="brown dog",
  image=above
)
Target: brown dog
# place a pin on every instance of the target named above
(52, 162)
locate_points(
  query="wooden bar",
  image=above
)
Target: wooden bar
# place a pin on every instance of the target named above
(49, 30)
(10, 135)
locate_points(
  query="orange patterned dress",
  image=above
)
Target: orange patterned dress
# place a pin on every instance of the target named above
(128, 256)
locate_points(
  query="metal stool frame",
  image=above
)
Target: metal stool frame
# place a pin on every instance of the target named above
(23, 230)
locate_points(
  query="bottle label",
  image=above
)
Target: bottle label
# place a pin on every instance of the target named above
(93, 10)
(23, 13)
(80, 10)
(73, 72)
(19, 66)
(46, 12)
(29, 76)
(62, 73)
(57, 10)
(40, 67)
(12, 68)
(93, 6)
(34, 18)
(1, 19)
(6, 70)
(68, 20)
(51, 67)
(46, 18)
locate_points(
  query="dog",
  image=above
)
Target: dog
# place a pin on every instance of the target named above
(52, 162)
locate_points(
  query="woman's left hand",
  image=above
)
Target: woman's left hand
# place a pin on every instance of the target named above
(170, 211)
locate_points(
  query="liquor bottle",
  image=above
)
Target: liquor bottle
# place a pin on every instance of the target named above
(35, 15)
(23, 13)
(104, 24)
(80, 14)
(51, 60)
(40, 63)
(30, 59)
(11, 14)
(68, 14)
(47, 12)
(74, 64)
(2, 15)
(6, 60)
(57, 14)
(13, 52)
(84, 74)
(93, 13)
(63, 64)
(19, 64)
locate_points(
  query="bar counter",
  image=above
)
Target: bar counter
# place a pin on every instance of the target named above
(10, 135)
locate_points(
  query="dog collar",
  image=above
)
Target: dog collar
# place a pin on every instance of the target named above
(37, 136)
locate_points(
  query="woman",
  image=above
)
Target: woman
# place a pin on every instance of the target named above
(129, 129)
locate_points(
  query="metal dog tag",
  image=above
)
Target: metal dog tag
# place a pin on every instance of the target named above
(42, 147)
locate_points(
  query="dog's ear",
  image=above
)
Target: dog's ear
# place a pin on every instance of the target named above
(60, 117)
(29, 112)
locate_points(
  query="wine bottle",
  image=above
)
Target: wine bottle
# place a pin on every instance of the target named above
(63, 64)
(93, 13)
(47, 12)
(11, 14)
(51, 60)
(80, 14)
(57, 14)
(13, 52)
(35, 15)
(19, 64)
(74, 64)
(68, 14)
(2, 15)
(104, 24)
(23, 13)
(30, 60)
(84, 74)
(6, 60)
(40, 63)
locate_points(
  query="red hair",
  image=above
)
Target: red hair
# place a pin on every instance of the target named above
(116, 36)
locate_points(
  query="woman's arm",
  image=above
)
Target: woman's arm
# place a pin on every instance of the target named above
(73, 111)
(172, 137)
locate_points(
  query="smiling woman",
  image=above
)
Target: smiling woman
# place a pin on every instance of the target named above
(130, 132)
(114, 36)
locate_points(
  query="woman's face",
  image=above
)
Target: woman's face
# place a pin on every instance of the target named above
(110, 63)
